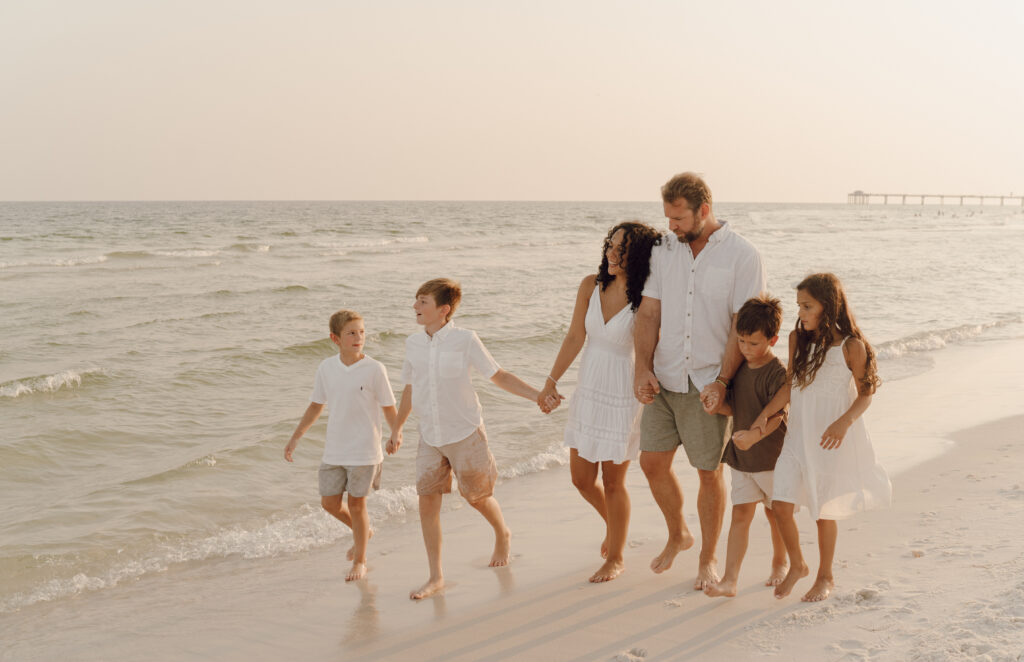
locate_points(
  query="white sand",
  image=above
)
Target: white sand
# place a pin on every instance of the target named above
(940, 576)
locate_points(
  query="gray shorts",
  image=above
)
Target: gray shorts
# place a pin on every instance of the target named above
(675, 419)
(357, 480)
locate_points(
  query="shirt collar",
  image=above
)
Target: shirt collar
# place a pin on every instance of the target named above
(720, 234)
(441, 333)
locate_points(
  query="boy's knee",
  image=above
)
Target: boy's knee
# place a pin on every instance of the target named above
(744, 513)
(782, 509)
(356, 504)
(331, 504)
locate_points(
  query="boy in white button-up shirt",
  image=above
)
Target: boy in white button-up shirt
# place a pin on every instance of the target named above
(436, 373)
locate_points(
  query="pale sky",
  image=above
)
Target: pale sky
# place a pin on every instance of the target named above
(798, 101)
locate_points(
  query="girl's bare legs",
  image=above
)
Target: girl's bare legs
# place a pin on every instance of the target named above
(828, 532)
(791, 538)
(617, 518)
(584, 479)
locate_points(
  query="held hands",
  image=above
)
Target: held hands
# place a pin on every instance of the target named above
(549, 398)
(834, 434)
(395, 442)
(712, 397)
(744, 439)
(645, 387)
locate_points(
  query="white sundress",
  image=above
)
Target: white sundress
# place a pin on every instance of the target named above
(832, 484)
(604, 417)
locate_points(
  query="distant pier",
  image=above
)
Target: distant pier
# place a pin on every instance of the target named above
(862, 198)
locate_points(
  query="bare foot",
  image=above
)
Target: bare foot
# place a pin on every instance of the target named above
(604, 547)
(358, 571)
(723, 589)
(789, 581)
(351, 553)
(778, 574)
(502, 550)
(822, 588)
(707, 575)
(609, 571)
(430, 588)
(663, 561)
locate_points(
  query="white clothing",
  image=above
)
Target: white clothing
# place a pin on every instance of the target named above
(604, 416)
(354, 395)
(836, 483)
(751, 487)
(699, 297)
(438, 368)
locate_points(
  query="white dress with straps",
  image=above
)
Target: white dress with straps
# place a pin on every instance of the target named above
(604, 417)
(833, 484)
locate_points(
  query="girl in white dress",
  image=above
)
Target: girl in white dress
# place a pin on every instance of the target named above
(827, 463)
(603, 431)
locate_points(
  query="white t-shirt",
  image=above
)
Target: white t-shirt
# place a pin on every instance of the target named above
(698, 299)
(438, 368)
(354, 395)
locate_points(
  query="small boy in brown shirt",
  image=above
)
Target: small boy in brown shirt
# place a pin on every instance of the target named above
(751, 453)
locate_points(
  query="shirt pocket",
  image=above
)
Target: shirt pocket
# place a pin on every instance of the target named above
(716, 284)
(450, 364)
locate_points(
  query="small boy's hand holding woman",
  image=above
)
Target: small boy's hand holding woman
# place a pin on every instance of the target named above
(395, 442)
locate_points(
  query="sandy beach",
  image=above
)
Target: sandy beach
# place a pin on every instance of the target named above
(937, 577)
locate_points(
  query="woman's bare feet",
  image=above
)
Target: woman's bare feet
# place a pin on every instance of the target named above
(822, 588)
(502, 550)
(609, 571)
(707, 575)
(778, 574)
(430, 588)
(723, 589)
(358, 571)
(663, 561)
(351, 553)
(789, 581)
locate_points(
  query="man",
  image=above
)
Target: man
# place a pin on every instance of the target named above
(686, 354)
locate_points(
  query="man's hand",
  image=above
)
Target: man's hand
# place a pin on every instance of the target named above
(645, 386)
(712, 397)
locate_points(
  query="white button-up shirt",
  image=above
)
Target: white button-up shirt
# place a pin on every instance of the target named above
(438, 368)
(699, 297)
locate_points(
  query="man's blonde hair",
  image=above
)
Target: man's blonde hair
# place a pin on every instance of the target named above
(341, 318)
(686, 186)
(445, 291)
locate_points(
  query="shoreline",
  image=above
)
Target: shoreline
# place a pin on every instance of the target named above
(958, 509)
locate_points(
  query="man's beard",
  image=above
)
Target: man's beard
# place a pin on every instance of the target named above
(692, 235)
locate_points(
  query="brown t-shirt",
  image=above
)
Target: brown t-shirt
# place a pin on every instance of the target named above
(751, 390)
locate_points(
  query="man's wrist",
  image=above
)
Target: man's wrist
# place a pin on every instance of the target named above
(723, 381)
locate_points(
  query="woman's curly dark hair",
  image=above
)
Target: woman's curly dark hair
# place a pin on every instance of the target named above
(637, 241)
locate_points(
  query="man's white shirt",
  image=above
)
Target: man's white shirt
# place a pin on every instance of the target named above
(438, 368)
(699, 297)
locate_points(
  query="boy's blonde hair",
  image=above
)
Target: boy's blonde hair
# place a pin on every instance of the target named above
(686, 186)
(341, 318)
(445, 291)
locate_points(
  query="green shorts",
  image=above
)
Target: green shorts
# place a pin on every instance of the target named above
(675, 419)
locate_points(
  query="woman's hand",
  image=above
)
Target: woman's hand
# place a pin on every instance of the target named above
(549, 397)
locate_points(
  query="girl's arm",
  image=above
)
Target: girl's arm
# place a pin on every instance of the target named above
(745, 439)
(313, 412)
(856, 358)
(404, 409)
(781, 398)
(571, 345)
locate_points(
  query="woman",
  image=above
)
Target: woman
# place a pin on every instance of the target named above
(603, 432)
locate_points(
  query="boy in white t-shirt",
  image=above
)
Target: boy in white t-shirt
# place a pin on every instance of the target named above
(438, 363)
(355, 389)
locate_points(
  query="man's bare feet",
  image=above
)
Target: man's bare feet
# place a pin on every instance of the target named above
(663, 561)
(707, 575)
(778, 574)
(351, 553)
(609, 571)
(723, 589)
(430, 588)
(502, 550)
(789, 581)
(822, 588)
(358, 571)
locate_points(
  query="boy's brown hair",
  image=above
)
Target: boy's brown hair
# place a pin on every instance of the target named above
(445, 291)
(761, 313)
(686, 186)
(341, 318)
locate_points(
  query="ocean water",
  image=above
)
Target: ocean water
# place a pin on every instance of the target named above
(155, 357)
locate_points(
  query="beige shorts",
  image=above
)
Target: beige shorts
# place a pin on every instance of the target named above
(356, 480)
(675, 419)
(470, 459)
(751, 487)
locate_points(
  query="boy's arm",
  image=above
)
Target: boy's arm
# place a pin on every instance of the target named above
(404, 409)
(509, 382)
(391, 416)
(313, 412)
(745, 439)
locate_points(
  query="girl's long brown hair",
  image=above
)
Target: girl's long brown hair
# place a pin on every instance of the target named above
(836, 316)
